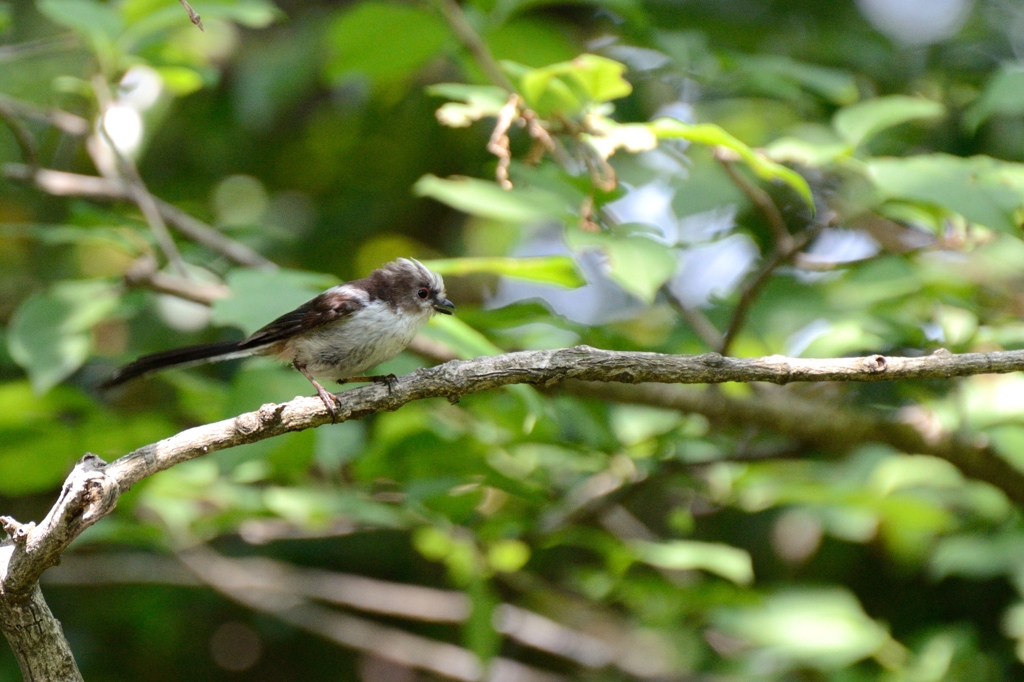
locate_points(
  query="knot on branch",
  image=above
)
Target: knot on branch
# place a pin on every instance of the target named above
(251, 422)
(876, 363)
(711, 359)
(18, 532)
(87, 496)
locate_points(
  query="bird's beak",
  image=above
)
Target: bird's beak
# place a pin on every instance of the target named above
(445, 307)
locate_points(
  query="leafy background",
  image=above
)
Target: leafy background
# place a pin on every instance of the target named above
(331, 137)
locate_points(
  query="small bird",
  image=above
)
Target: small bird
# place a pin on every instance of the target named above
(338, 335)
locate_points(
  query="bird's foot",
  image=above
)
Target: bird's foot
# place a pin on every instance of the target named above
(390, 379)
(330, 402)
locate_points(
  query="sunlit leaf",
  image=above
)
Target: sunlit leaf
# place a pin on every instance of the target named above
(565, 88)
(858, 123)
(180, 80)
(729, 562)
(826, 629)
(981, 189)
(639, 264)
(473, 102)
(488, 200)
(705, 133)
(607, 136)
(559, 270)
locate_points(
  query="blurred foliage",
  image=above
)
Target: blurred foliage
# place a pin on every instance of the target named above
(659, 154)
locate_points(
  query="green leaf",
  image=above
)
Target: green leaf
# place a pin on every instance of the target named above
(478, 101)
(826, 629)
(508, 556)
(858, 123)
(981, 189)
(709, 134)
(835, 85)
(49, 334)
(460, 337)
(1003, 96)
(261, 296)
(180, 80)
(488, 200)
(94, 20)
(640, 265)
(560, 270)
(724, 560)
(568, 87)
(383, 41)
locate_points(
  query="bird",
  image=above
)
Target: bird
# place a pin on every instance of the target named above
(338, 335)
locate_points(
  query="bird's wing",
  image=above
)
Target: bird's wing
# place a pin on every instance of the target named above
(332, 305)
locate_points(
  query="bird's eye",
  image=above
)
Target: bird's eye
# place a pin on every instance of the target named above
(423, 292)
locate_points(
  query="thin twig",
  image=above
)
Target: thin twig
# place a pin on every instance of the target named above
(760, 198)
(31, 48)
(58, 118)
(472, 41)
(60, 183)
(21, 133)
(144, 273)
(192, 15)
(703, 327)
(499, 144)
(754, 286)
(136, 186)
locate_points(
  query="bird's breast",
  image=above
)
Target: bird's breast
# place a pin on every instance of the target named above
(349, 347)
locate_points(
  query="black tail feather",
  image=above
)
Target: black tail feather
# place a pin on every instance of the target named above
(209, 352)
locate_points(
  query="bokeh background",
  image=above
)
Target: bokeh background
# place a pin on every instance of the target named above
(536, 534)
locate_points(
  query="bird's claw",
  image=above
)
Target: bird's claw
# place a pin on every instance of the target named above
(330, 402)
(389, 379)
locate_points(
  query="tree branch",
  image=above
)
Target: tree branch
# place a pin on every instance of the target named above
(472, 41)
(779, 256)
(60, 183)
(251, 583)
(93, 487)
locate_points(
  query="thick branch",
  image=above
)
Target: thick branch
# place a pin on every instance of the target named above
(457, 378)
(93, 487)
(36, 638)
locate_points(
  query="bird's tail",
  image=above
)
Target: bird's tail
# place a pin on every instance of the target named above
(179, 357)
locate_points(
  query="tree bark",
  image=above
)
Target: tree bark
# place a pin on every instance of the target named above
(37, 638)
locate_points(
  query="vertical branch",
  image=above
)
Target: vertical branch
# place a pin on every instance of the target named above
(22, 136)
(786, 245)
(136, 187)
(36, 638)
(472, 41)
(761, 200)
(753, 288)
